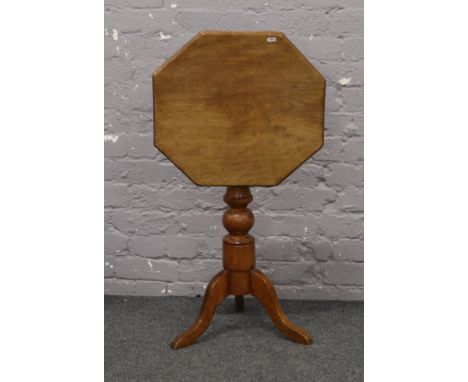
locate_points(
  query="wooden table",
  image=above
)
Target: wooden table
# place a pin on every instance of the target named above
(238, 109)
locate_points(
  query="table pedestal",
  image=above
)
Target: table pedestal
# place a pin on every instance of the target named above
(239, 276)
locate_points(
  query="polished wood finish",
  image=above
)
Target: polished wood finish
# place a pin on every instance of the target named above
(238, 108)
(240, 277)
(216, 291)
(263, 290)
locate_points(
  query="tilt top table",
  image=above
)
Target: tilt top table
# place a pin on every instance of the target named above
(238, 109)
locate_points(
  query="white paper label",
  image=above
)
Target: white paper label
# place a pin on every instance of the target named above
(271, 39)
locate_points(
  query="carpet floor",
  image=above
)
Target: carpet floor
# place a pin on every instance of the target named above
(236, 347)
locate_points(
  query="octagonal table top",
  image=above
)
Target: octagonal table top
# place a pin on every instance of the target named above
(238, 108)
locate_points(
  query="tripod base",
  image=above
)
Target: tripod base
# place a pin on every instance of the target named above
(240, 277)
(260, 287)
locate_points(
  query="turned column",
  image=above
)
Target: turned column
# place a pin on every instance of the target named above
(239, 276)
(238, 245)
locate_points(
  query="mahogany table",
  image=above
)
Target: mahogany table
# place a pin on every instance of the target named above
(238, 109)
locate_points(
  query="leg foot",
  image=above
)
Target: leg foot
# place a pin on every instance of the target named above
(239, 303)
(263, 290)
(216, 291)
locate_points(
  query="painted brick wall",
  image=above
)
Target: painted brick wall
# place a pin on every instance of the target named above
(163, 234)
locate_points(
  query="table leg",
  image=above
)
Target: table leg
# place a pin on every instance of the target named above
(239, 303)
(216, 291)
(263, 290)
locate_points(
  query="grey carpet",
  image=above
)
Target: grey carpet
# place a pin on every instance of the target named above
(236, 347)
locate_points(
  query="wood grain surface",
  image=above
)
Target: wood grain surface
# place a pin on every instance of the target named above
(239, 276)
(238, 108)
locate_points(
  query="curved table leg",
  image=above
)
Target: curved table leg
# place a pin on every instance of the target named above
(216, 291)
(263, 290)
(239, 301)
